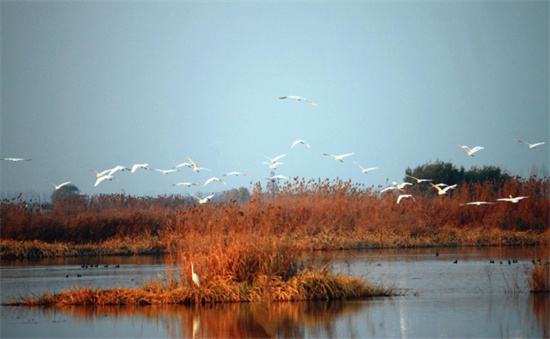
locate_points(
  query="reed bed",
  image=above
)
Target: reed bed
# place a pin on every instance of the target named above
(312, 215)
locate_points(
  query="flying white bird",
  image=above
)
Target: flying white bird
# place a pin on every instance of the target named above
(442, 191)
(401, 186)
(184, 164)
(277, 177)
(365, 170)
(472, 150)
(274, 160)
(195, 167)
(204, 200)
(389, 188)
(195, 277)
(418, 181)
(117, 168)
(511, 199)
(186, 184)
(100, 174)
(405, 196)
(104, 177)
(57, 186)
(338, 157)
(235, 174)
(477, 203)
(167, 171)
(274, 165)
(532, 146)
(15, 159)
(299, 142)
(136, 166)
(213, 179)
(299, 99)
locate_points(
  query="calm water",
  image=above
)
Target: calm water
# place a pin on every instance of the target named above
(472, 298)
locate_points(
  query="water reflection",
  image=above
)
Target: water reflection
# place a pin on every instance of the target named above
(474, 298)
(507, 315)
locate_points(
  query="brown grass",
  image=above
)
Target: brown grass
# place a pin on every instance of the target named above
(539, 277)
(304, 215)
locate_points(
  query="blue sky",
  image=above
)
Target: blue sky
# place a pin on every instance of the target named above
(99, 84)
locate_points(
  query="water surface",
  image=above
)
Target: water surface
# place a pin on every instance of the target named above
(439, 298)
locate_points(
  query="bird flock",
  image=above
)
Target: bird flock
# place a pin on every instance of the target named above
(274, 163)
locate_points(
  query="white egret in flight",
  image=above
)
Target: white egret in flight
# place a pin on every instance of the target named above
(442, 191)
(405, 196)
(136, 166)
(339, 157)
(15, 159)
(274, 165)
(100, 174)
(299, 99)
(300, 141)
(471, 151)
(195, 167)
(511, 199)
(235, 174)
(477, 203)
(365, 170)
(214, 179)
(531, 146)
(274, 160)
(204, 200)
(104, 177)
(57, 186)
(418, 181)
(167, 171)
(186, 184)
(277, 177)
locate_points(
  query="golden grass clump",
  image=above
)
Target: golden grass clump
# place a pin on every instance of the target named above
(539, 277)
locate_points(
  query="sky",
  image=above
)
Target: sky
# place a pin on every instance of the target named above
(91, 85)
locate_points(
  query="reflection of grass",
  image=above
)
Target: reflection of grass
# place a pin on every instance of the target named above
(539, 277)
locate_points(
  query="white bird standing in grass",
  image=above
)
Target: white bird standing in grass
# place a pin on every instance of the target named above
(531, 146)
(418, 181)
(442, 191)
(204, 200)
(365, 170)
(471, 151)
(511, 199)
(339, 157)
(299, 99)
(300, 141)
(15, 159)
(214, 179)
(194, 276)
(405, 196)
(477, 203)
(57, 186)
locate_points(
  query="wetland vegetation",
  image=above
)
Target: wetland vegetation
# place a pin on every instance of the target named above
(246, 246)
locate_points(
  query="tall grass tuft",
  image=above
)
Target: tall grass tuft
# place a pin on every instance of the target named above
(539, 277)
